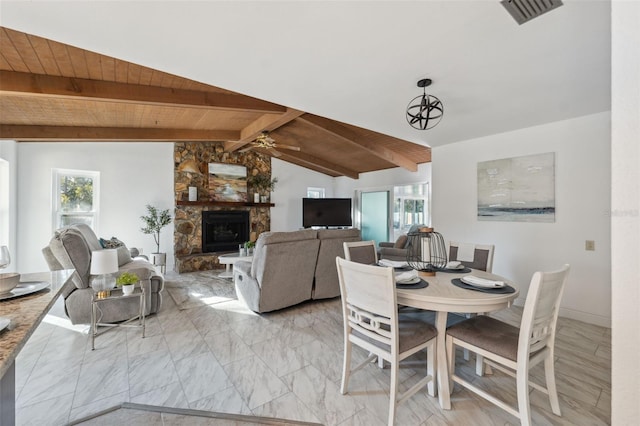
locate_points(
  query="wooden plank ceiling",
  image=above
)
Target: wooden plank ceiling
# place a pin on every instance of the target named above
(54, 92)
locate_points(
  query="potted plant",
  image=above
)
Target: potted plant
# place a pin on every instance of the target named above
(154, 221)
(263, 183)
(248, 246)
(127, 281)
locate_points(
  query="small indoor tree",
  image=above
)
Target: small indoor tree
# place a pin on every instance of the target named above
(154, 221)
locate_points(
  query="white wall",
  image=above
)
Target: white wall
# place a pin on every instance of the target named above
(131, 176)
(625, 218)
(291, 188)
(8, 200)
(582, 155)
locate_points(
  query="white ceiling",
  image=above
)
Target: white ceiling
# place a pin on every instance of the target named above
(359, 61)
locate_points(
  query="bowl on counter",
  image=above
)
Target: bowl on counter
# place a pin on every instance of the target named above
(8, 281)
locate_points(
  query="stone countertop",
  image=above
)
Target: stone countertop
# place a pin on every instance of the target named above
(26, 313)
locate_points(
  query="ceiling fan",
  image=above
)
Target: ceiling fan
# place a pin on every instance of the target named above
(265, 141)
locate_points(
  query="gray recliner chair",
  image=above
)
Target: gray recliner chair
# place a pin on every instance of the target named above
(70, 248)
(397, 250)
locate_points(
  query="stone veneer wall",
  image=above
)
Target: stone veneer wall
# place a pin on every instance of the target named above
(191, 169)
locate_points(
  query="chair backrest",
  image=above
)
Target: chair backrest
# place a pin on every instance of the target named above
(369, 303)
(476, 256)
(283, 265)
(361, 252)
(540, 314)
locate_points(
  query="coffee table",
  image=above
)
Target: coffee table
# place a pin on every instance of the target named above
(229, 259)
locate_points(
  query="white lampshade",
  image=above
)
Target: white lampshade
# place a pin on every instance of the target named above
(104, 262)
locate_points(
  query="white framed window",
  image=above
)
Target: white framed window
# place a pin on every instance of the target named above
(315, 192)
(75, 197)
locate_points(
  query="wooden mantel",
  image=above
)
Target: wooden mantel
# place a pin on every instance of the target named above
(223, 203)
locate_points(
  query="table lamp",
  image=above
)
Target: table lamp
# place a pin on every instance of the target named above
(103, 264)
(426, 251)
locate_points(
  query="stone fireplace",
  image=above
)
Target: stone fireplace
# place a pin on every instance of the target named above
(191, 228)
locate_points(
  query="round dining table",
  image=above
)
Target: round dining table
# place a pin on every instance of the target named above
(442, 296)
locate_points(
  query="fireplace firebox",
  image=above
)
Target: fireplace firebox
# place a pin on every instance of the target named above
(224, 230)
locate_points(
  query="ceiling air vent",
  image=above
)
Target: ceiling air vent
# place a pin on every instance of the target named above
(525, 10)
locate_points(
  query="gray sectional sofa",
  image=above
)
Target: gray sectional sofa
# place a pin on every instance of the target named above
(291, 267)
(70, 248)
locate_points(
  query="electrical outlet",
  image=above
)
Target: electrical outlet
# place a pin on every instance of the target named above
(590, 245)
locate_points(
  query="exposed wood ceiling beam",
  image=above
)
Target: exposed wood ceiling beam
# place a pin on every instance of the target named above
(269, 122)
(113, 134)
(318, 164)
(349, 136)
(80, 88)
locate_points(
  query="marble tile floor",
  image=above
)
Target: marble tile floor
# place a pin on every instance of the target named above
(205, 353)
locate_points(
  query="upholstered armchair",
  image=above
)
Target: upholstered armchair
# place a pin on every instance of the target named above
(396, 250)
(71, 248)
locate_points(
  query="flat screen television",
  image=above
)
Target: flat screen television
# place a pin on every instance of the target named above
(326, 212)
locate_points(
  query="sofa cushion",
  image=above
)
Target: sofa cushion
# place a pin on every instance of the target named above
(285, 237)
(401, 242)
(142, 268)
(326, 283)
(268, 238)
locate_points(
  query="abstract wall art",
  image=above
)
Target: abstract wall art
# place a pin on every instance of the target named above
(518, 189)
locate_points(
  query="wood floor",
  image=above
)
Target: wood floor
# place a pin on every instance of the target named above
(208, 352)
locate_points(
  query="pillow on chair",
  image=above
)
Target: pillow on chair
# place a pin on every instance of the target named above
(401, 242)
(124, 255)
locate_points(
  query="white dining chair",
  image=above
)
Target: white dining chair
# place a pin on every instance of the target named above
(372, 321)
(476, 256)
(361, 252)
(512, 350)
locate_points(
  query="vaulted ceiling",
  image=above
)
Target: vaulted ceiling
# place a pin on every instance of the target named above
(50, 91)
(354, 62)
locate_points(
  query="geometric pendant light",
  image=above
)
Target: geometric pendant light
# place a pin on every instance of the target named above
(424, 112)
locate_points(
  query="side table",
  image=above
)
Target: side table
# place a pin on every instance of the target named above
(229, 259)
(116, 294)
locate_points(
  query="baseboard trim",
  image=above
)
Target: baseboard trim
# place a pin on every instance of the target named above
(577, 315)
(585, 317)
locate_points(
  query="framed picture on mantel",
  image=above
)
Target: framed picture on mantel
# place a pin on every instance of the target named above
(227, 182)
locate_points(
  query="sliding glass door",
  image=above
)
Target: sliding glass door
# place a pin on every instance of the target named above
(374, 215)
(387, 213)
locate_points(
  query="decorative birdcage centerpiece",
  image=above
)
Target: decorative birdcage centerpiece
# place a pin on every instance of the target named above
(426, 251)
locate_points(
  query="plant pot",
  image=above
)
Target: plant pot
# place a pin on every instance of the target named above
(159, 259)
(264, 199)
(127, 289)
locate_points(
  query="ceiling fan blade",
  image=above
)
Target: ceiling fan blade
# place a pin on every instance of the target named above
(275, 153)
(291, 147)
